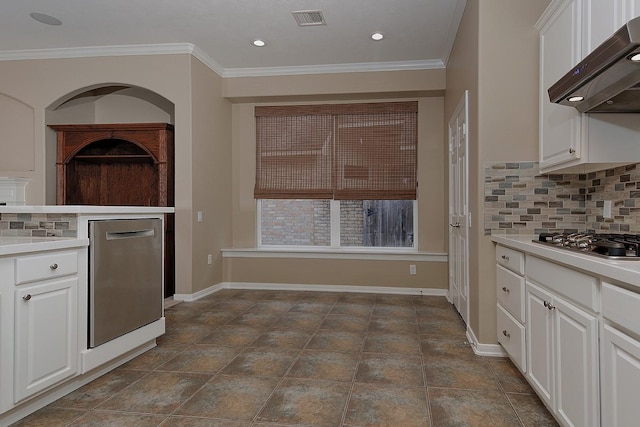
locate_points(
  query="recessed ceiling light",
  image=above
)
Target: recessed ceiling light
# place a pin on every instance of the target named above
(635, 57)
(575, 98)
(258, 43)
(45, 19)
(377, 36)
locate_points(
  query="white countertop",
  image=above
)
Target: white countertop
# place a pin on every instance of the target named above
(86, 209)
(10, 245)
(626, 271)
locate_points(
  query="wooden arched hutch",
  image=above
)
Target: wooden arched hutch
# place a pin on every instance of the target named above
(125, 164)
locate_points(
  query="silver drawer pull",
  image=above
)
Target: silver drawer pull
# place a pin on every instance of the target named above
(27, 297)
(506, 334)
(505, 257)
(549, 305)
(53, 266)
(505, 289)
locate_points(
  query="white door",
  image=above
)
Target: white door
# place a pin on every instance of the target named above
(459, 209)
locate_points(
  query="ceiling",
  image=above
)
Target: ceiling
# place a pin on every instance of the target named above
(418, 34)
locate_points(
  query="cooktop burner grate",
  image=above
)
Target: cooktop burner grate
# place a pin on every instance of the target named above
(612, 246)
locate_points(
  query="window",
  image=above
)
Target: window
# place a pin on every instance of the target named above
(337, 175)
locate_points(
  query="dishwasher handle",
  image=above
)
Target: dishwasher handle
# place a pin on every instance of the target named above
(116, 235)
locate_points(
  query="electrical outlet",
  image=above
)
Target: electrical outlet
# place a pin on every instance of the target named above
(412, 269)
(199, 216)
(210, 259)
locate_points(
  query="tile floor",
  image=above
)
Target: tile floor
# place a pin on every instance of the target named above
(282, 358)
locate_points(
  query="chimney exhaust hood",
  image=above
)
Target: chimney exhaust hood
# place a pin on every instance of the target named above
(608, 79)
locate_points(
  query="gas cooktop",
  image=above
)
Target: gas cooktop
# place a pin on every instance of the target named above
(611, 246)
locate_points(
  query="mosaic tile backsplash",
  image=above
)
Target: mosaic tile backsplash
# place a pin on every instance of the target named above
(518, 200)
(38, 225)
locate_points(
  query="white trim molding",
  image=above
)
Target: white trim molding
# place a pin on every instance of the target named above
(491, 350)
(374, 255)
(317, 288)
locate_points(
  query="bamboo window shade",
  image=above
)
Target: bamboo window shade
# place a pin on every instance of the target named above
(341, 151)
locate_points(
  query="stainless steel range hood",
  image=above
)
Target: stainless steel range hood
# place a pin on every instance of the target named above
(607, 80)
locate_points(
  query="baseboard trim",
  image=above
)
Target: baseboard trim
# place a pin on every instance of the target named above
(317, 288)
(491, 350)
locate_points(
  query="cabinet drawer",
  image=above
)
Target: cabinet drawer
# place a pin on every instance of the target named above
(578, 287)
(511, 259)
(621, 306)
(510, 289)
(511, 337)
(46, 266)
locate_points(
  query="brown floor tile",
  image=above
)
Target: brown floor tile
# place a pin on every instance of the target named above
(431, 301)
(395, 311)
(229, 397)
(392, 406)
(185, 333)
(392, 343)
(471, 408)
(99, 390)
(509, 376)
(336, 341)
(49, 416)
(201, 358)
(531, 410)
(397, 300)
(307, 402)
(213, 318)
(262, 362)
(255, 319)
(447, 327)
(440, 346)
(352, 309)
(235, 305)
(390, 369)
(178, 421)
(156, 393)
(233, 336)
(323, 297)
(299, 321)
(345, 323)
(459, 373)
(272, 306)
(391, 325)
(356, 297)
(282, 339)
(153, 358)
(311, 307)
(117, 419)
(324, 365)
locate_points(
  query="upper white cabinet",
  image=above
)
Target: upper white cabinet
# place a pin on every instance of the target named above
(571, 141)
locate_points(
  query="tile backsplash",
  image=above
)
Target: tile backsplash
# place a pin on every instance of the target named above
(518, 200)
(38, 225)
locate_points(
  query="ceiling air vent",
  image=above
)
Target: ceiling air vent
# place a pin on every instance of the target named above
(306, 18)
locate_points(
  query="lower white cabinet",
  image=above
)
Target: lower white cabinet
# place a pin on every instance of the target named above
(620, 378)
(562, 358)
(46, 337)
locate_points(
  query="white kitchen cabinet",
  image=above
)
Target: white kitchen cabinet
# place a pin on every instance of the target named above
(571, 141)
(510, 284)
(620, 349)
(562, 357)
(46, 338)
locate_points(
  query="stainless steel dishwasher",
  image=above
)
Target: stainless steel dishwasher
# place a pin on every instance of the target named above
(125, 276)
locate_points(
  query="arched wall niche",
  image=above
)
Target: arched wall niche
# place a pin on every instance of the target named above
(101, 103)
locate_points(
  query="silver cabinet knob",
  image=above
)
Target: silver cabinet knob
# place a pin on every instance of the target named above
(53, 266)
(505, 290)
(506, 334)
(456, 225)
(27, 297)
(505, 257)
(571, 151)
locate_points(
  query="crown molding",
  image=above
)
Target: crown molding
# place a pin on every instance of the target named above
(188, 48)
(333, 68)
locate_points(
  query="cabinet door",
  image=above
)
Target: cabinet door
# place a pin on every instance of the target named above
(560, 49)
(46, 336)
(539, 336)
(630, 10)
(620, 378)
(576, 364)
(602, 18)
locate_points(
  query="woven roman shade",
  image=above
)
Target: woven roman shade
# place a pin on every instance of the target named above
(342, 151)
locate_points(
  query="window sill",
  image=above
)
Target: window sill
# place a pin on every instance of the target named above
(329, 253)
